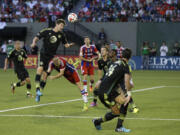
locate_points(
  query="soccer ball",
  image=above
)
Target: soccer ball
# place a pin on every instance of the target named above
(72, 17)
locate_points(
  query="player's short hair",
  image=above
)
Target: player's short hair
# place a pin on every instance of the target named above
(55, 60)
(119, 42)
(114, 50)
(127, 53)
(105, 48)
(86, 37)
(58, 21)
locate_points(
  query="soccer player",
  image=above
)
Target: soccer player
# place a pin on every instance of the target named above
(133, 107)
(18, 55)
(103, 65)
(70, 73)
(52, 37)
(119, 49)
(110, 95)
(87, 53)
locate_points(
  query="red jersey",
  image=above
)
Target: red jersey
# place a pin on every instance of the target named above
(87, 53)
(70, 72)
(119, 52)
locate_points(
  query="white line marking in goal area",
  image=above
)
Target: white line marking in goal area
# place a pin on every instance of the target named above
(61, 102)
(82, 117)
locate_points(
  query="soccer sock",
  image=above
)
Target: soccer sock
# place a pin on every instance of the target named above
(42, 84)
(37, 80)
(91, 84)
(84, 96)
(95, 95)
(133, 105)
(85, 85)
(95, 99)
(18, 84)
(28, 86)
(108, 116)
(120, 121)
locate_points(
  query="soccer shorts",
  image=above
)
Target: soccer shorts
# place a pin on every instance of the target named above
(44, 61)
(108, 99)
(87, 70)
(22, 74)
(72, 77)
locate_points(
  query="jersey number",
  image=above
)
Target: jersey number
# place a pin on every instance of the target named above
(111, 70)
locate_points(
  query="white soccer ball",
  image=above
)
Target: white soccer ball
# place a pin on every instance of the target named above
(72, 17)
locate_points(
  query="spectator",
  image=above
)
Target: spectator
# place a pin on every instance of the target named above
(153, 50)
(176, 49)
(102, 36)
(163, 49)
(112, 45)
(145, 55)
(4, 48)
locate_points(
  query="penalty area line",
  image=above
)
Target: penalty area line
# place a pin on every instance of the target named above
(83, 117)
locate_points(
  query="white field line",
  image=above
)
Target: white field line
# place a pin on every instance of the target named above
(67, 101)
(33, 106)
(82, 117)
(146, 89)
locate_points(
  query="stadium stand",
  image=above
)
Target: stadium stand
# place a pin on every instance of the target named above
(130, 11)
(25, 11)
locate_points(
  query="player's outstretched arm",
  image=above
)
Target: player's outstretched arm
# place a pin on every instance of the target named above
(67, 45)
(35, 40)
(5, 64)
(61, 73)
(128, 88)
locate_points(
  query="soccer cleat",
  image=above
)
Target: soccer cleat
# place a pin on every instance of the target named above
(38, 95)
(85, 107)
(12, 88)
(90, 89)
(134, 110)
(96, 124)
(29, 95)
(123, 129)
(93, 104)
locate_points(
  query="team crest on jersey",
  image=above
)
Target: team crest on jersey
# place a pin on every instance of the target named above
(41, 63)
(53, 39)
(59, 36)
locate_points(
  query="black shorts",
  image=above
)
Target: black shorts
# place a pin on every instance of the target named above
(108, 100)
(44, 61)
(22, 74)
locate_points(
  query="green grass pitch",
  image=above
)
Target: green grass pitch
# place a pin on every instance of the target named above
(159, 108)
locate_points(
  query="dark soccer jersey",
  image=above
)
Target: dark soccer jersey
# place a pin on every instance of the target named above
(18, 58)
(114, 75)
(104, 65)
(51, 40)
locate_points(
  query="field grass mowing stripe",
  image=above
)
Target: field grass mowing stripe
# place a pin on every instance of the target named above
(83, 117)
(61, 102)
